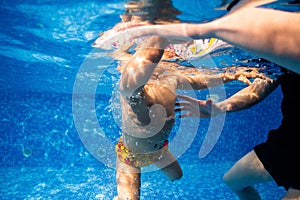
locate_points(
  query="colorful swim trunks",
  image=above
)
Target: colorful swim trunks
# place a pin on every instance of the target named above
(139, 160)
(197, 48)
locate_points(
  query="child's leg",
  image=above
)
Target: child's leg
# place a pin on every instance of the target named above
(128, 181)
(170, 166)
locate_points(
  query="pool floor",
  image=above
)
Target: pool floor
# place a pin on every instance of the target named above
(200, 181)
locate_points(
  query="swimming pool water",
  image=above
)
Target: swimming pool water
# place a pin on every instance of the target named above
(201, 181)
(44, 44)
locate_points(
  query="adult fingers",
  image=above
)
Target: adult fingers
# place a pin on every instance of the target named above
(187, 98)
(182, 104)
(184, 115)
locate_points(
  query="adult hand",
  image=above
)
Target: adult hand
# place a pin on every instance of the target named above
(136, 32)
(197, 108)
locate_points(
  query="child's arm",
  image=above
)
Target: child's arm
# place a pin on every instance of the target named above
(139, 68)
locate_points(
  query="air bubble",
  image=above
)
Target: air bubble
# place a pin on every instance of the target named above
(27, 152)
(101, 152)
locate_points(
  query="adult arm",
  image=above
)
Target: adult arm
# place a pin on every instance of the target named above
(270, 34)
(197, 79)
(243, 99)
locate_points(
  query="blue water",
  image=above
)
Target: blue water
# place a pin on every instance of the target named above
(45, 48)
